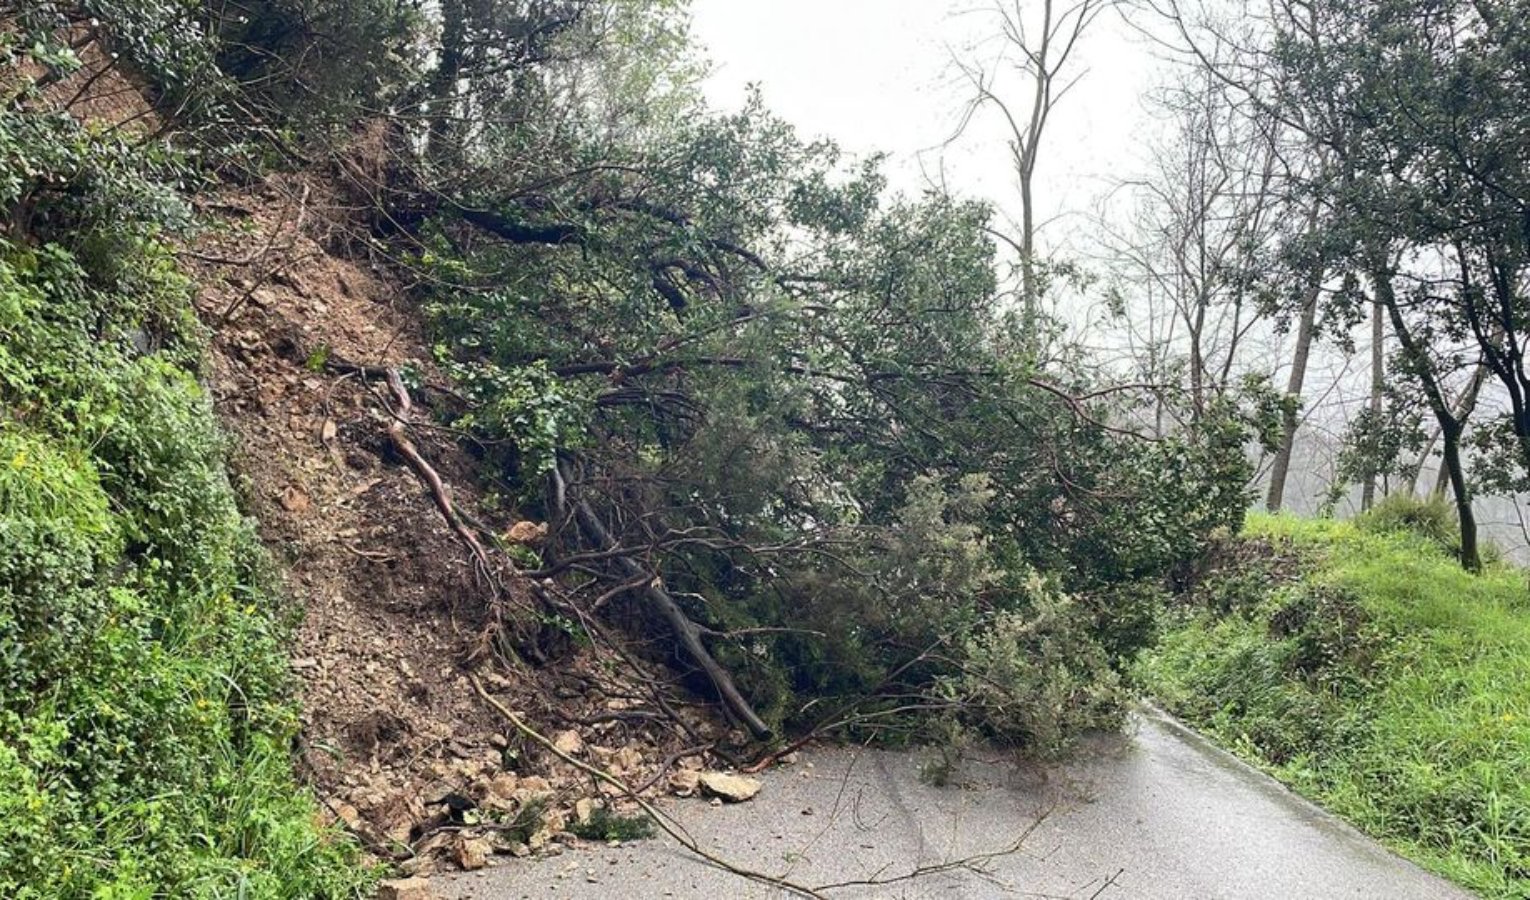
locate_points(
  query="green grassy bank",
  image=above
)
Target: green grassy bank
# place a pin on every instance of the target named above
(145, 725)
(1360, 665)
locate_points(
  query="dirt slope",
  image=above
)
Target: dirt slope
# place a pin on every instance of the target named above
(394, 616)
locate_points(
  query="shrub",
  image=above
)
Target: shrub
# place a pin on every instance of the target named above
(144, 720)
(1432, 517)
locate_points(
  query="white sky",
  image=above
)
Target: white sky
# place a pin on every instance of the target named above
(876, 75)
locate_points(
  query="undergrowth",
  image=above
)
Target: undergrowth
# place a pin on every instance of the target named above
(145, 724)
(1385, 682)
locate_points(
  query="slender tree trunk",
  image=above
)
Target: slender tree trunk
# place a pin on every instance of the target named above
(1281, 468)
(1470, 557)
(1451, 428)
(442, 99)
(1378, 374)
(1464, 406)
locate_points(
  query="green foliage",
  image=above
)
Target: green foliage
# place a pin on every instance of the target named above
(144, 719)
(1039, 677)
(606, 824)
(1432, 518)
(1386, 683)
(727, 334)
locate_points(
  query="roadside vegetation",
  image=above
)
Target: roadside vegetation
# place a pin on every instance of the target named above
(1358, 663)
(145, 724)
(841, 460)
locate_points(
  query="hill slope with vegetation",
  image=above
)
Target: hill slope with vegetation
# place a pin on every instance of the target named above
(145, 713)
(567, 403)
(1362, 666)
(673, 429)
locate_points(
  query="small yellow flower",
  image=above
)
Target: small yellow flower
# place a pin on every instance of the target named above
(19, 461)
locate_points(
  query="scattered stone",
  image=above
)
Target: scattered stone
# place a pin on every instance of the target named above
(347, 814)
(684, 782)
(554, 820)
(472, 853)
(405, 889)
(499, 792)
(568, 742)
(730, 788)
(527, 532)
(293, 500)
(627, 759)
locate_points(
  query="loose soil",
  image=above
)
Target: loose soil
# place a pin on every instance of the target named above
(394, 618)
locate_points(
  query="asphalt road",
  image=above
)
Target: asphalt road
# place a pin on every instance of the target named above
(1157, 813)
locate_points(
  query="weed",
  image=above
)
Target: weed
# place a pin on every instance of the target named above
(605, 824)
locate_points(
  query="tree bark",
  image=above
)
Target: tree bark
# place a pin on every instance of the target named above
(1378, 374)
(1281, 468)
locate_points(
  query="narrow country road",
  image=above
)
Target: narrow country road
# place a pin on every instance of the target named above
(1158, 813)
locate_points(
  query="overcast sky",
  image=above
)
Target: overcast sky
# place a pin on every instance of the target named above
(877, 75)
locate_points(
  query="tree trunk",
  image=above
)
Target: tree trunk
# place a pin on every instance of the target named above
(1470, 558)
(1450, 427)
(687, 632)
(1464, 406)
(1378, 373)
(1281, 468)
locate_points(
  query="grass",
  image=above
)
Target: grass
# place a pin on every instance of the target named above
(145, 702)
(1385, 683)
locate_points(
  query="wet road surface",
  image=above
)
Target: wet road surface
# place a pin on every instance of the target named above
(1156, 813)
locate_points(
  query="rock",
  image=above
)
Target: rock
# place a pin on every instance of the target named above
(568, 742)
(405, 889)
(347, 814)
(627, 759)
(472, 853)
(397, 816)
(499, 792)
(730, 788)
(584, 807)
(684, 782)
(527, 532)
(554, 820)
(294, 500)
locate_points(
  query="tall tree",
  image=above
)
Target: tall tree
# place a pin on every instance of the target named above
(1032, 72)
